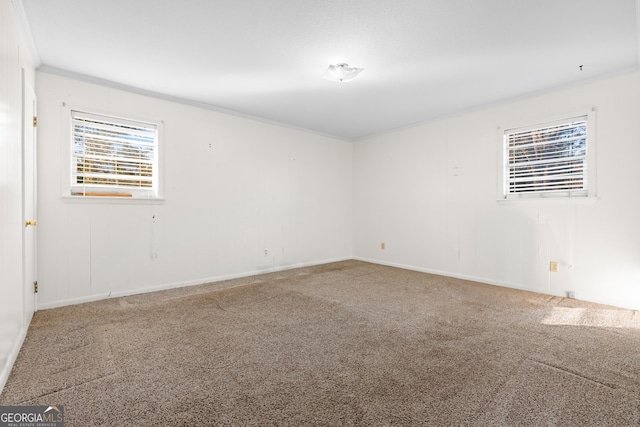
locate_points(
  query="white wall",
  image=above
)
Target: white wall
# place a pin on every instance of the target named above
(430, 193)
(233, 187)
(14, 57)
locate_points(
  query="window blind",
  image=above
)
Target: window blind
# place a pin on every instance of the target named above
(112, 154)
(547, 159)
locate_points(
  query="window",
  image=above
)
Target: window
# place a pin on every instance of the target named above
(113, 157)
(551, 159)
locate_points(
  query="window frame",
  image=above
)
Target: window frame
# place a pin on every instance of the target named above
(590, 176)
(71, 190)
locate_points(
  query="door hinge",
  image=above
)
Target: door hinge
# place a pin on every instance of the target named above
(35, 121)
(35, 287)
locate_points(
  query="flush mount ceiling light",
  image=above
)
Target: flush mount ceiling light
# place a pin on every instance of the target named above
(341, 72)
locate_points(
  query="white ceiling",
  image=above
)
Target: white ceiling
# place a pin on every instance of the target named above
(422, 59)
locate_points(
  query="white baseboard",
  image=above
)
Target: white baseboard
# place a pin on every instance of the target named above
(628, 303)
(166, 286)
(11, 358)
(462, 276)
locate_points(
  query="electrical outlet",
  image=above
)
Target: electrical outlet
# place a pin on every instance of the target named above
(266, 251)
(571, 294)
(382, 246)
(553, 266)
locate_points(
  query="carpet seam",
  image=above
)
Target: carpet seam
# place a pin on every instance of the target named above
(579, 375)
(68, 388)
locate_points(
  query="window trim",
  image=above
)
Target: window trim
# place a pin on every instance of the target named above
(136, 195)
(591, 174)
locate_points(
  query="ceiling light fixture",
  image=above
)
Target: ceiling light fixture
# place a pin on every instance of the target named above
(341, 72)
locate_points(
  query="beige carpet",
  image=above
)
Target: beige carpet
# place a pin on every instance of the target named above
(347, 343)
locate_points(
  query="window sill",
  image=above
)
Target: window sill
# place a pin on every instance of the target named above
(549, 200)
(113, 200)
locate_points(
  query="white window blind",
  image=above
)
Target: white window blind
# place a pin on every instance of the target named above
(547, 160)
(113, 156)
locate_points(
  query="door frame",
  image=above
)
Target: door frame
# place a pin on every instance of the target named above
(29, 199)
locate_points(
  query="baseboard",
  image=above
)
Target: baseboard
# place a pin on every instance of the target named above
(461, 276)
(167, 286)
(11, 359)
(629, 304)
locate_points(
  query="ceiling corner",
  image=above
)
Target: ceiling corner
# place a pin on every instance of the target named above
(23, 22)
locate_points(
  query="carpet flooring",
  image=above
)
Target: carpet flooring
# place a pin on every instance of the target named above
(348, 343)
